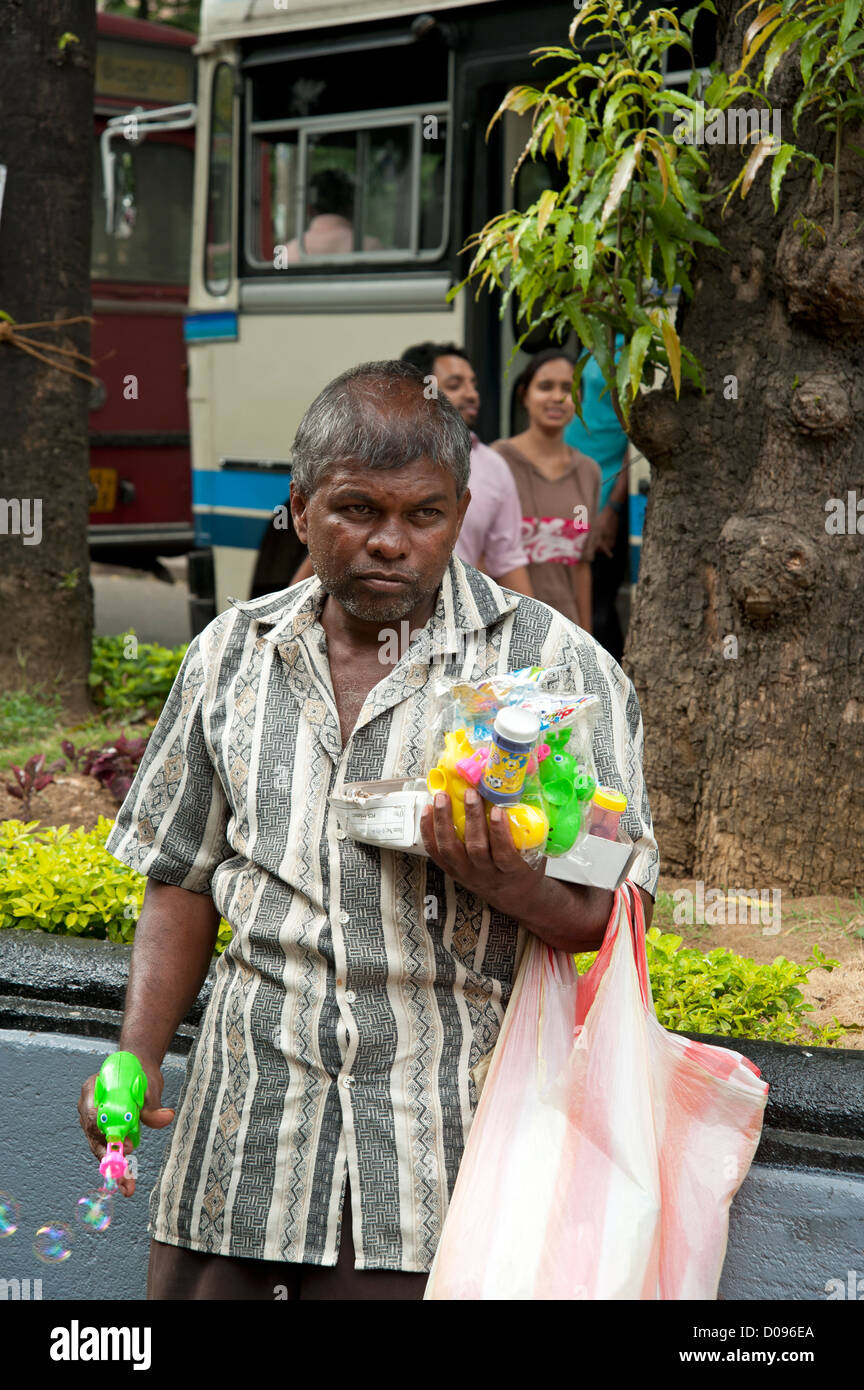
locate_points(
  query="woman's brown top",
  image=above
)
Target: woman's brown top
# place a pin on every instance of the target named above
(558, 523)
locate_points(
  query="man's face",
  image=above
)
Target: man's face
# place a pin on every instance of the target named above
(456, 379)
(380, 539)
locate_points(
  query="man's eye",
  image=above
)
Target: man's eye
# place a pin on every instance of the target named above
(427, 511)
(357, 507)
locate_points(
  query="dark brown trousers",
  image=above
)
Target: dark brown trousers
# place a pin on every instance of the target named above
(176, 1273)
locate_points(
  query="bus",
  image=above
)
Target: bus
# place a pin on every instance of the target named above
(140, 468)
(378, 110)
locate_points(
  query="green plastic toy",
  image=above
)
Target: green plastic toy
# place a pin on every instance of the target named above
(118, 1096)
(566, 790)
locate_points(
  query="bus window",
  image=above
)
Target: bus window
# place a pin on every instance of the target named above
(370, 187)
(157, 249)
(217, 258)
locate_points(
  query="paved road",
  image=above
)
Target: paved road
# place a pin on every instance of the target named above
(156, 611)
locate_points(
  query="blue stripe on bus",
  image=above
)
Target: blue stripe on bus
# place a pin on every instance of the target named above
(212, 487)
(219, 326)
(236, 532)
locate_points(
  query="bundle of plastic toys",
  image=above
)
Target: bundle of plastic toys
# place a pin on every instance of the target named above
(522, 747)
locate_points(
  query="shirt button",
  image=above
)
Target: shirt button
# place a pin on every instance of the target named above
(340, 833)
(344, 917)
(351, 997)
(348, 1081)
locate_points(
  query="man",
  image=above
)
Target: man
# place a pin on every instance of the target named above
(331, 1081)
(491, 536)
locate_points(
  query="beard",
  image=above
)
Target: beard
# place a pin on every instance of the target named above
(367, 606)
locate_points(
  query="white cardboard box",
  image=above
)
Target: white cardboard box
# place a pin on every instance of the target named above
(388, 814)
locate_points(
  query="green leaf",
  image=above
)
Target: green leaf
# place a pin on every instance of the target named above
(716, 89)
(810, 49)
(780, 44)
(778, 169)
(667, 252)
(620, 179)
(673, 352)
(545, 207)
(638, 348)
(576, 134)
(851, 15)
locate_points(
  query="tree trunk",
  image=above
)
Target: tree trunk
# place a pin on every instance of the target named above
(747, 638)
(46, 116)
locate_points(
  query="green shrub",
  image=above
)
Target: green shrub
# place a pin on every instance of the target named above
(26, 714)
(719, 992)
(132, 679)
(65, 881)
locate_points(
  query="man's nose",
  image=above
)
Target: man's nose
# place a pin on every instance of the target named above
(388, 538)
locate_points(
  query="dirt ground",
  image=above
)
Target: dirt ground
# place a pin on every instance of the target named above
(73, 801)
(834, 923)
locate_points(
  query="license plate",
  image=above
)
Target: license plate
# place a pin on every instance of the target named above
(105, 482)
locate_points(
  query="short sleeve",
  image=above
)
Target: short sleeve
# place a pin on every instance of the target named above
(503, 548)
(172, 824)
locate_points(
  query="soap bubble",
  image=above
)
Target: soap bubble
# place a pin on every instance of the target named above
(9, 1212)
(96, 1209)
(53, 1244)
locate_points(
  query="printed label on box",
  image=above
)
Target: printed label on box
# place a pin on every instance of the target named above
(381, 822)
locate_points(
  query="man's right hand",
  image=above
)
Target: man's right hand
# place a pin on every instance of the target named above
(154, 1115)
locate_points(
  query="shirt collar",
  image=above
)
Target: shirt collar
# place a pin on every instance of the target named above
(467, 601)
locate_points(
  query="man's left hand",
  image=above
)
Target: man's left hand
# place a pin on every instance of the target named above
(488, 863)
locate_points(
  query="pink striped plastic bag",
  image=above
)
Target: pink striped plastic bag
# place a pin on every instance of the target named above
(605, 1151)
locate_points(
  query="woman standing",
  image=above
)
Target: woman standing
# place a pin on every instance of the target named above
(559, 489)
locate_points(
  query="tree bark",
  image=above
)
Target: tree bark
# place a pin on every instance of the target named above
(747, 640)
(46, 119)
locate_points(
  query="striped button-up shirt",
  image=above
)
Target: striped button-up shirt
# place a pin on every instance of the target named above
(361, 986)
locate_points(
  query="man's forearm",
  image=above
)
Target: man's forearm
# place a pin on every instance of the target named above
(174, 942)
(572, 917)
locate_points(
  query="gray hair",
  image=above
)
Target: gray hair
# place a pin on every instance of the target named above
(379, 414)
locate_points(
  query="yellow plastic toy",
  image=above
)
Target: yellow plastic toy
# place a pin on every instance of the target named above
(528, 824)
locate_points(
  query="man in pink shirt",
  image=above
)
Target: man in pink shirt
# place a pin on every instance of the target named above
(490, 538)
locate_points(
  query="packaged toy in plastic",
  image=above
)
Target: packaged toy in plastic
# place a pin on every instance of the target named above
(523, 747)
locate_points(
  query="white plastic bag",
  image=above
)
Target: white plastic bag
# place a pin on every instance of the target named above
(605, 1151)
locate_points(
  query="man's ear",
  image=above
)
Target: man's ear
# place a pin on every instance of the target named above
(299, 507)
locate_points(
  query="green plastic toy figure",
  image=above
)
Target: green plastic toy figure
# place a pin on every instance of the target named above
(118, 1097)
(566, 791)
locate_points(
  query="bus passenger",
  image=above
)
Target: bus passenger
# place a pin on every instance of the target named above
(559, 489)
(330, 231)
(490, 537)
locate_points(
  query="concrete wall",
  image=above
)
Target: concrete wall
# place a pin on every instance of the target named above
(46, 1164)
(796, 1225)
